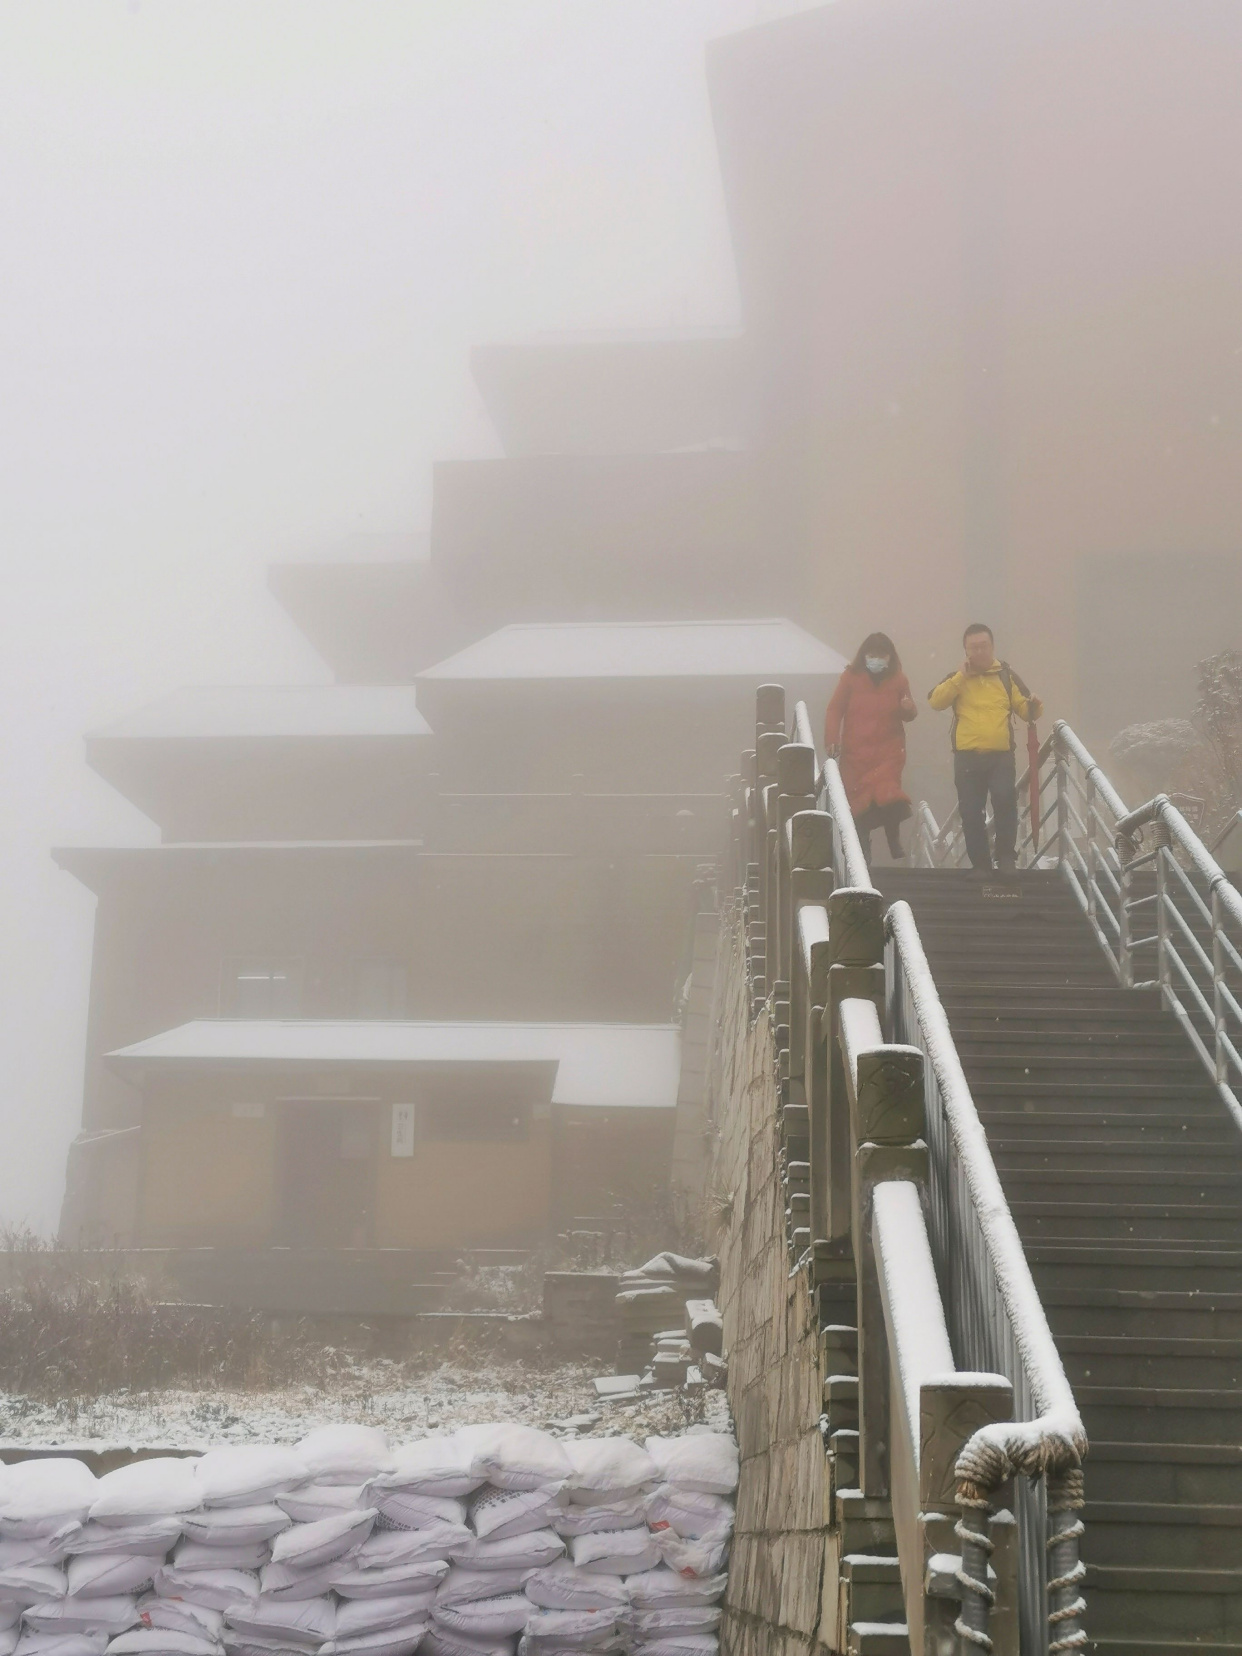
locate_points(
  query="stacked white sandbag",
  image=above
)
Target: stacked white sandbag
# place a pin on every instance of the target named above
(675, 1606)
(388, 1590)
(387, 1585)
(323, 1527)
(44, 1504)
(226, 1541)
(463, 1545)
(519, 1476)
(581, 1603)
(113, 1556)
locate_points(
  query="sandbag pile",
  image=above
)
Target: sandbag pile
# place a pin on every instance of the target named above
(495, 1540)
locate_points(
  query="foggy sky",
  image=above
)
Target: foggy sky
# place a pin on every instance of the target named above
(247, 246)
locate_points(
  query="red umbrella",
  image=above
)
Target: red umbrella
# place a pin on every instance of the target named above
(1032, 762)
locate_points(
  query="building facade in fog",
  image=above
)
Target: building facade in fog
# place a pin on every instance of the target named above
(404, 969)
(989, 368)
(989, 258)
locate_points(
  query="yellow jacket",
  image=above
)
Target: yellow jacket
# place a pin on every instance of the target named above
(983, 707)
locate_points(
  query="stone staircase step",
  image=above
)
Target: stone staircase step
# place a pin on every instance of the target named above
(877, 1638)
(1059, 1221)
(1156, 1414)
(1194, 1606)
(1101, 1360)
(1199, 1474)
(1172, 1535)
(1007, 1126)
(1138, 1646)
(1176, 1315)
(1124, 1173)
(871, 1584)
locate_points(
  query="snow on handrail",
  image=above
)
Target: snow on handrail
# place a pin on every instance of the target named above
(1056, 1438)
(1162, 811)
(847, 851)
(803, 733)
(1066, 739)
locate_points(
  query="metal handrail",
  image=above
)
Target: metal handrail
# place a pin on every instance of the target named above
(1201, 986)
(1058, 1424)
(993, 1306)
(910, 1390)
(995, 1314)
(803, 732)
(993, 1309)
(848, 858)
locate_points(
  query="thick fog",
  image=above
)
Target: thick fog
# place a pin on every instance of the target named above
(246, 251)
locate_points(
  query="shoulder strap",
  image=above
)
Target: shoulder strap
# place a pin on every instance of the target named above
(1009, 678)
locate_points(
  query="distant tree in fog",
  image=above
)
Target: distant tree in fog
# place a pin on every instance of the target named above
(1197, 759)
(1218, 715)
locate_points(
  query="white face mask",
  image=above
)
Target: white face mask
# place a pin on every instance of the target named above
(877, 664)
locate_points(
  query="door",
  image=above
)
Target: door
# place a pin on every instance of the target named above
(327, 1174)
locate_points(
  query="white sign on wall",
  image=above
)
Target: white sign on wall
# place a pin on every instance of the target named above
(403, 1129)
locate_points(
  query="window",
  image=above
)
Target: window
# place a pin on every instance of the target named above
(254, 988)
(471, 1120)
(380, 989)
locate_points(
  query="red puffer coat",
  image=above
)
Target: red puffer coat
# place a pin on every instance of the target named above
(866, 720)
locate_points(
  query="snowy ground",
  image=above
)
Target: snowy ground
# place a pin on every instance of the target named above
(404, 1402)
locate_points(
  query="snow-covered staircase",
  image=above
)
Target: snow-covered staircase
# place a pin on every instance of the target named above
(1123, 1172)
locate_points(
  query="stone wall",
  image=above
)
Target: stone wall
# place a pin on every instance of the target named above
(771, 1334)
(691, 1135)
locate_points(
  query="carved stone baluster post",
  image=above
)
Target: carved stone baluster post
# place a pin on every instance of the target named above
(810, 881)
(856, 952)
(796, 781)
(951, 1412)
(886, 1132)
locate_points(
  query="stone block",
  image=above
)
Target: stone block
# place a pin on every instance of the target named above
(752, 1494)
(801, 1583)
(810, 1480)
(753, 1428)
(768, 1557)
(829, 1591)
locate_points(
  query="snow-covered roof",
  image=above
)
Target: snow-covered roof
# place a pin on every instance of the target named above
(748, 650)
(599, 1065)
(275, 710)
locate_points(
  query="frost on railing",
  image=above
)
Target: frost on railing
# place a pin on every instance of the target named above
(995, 1314)
(1193, 937)
(885, 1162)
(1165, 914)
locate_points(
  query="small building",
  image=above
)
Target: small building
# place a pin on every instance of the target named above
(314, 1133)
(514, 841)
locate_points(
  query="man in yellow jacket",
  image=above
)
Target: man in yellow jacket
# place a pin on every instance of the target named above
(985, 694)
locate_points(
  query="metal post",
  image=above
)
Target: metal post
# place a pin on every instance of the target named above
(1163, 975)
(977, 1596)
(1093, 856)
(1065, 1569)
(1062, 774)
(1218, 984)
(1125, 959)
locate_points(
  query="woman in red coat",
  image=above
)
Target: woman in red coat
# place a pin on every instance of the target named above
(864, 729)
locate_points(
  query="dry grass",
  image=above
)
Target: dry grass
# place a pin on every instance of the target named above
(63, 1336)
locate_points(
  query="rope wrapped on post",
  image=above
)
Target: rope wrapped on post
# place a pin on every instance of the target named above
(1066, 1571)
(978, 1598)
